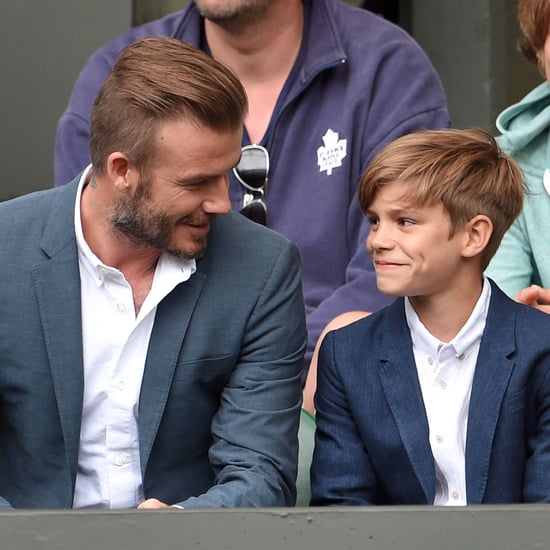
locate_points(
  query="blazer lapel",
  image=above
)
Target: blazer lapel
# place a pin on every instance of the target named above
(401, 387)
(57, 286)
(171, 322)
(492, 374)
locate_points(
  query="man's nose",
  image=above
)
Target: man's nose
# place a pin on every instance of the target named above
(217, 198)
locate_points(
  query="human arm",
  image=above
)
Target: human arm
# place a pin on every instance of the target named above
(254, 449)
(512, 265)
(341, 471)
(512, 268)
(311, 380)
(399, 93)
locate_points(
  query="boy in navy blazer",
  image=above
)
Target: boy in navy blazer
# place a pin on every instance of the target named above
(444, 396)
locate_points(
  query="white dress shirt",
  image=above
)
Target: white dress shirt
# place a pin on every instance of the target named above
(115, 344)
(446, 372)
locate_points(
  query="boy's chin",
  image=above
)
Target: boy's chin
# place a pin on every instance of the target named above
(391, 290)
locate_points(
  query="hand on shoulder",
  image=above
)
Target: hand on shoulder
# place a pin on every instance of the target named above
(535, 296)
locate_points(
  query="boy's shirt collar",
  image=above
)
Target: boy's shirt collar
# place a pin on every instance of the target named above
(468, 336)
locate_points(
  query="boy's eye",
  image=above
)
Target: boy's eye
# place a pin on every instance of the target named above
(373, 221)
(406, 222)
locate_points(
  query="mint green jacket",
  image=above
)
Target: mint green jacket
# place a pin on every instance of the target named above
(523, 257)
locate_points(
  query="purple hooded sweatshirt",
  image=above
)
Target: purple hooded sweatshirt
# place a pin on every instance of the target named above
(358, 83)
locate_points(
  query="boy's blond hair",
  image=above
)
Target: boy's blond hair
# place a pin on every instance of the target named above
(463, 169)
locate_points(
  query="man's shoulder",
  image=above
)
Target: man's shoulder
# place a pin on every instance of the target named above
(34, 203)
(236, 223)
(359, 27)
(246, 258)
(383, 60)
(234, 234)
(23, 220)
(173, 25)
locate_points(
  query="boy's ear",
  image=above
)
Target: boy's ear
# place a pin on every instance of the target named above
(477, 233)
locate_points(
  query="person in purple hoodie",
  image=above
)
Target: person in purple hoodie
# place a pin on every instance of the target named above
(328, 85)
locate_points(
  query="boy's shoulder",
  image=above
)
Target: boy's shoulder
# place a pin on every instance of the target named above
(507, 314)
(376, 329)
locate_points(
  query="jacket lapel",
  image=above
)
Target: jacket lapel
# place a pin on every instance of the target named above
(492, 374)
(57, 286)
(171, 322)
(401, 387)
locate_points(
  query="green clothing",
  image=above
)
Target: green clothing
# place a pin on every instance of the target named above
(523, 258)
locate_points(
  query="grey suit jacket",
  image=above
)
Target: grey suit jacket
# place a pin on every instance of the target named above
(372, 441)
(220, 399)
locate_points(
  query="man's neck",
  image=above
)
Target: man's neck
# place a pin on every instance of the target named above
(262, 52)
(258, 48)
(113, 249)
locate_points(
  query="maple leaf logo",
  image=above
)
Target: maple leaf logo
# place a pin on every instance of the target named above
(330, 155)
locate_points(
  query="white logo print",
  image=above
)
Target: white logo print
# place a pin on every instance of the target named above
(330, 156)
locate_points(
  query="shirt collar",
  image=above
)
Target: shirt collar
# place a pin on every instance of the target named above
(468, 336)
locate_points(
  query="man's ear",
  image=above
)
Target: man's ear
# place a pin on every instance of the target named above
(477, 233)
(119, 170)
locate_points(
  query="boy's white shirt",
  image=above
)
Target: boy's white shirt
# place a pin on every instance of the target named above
(446, 372)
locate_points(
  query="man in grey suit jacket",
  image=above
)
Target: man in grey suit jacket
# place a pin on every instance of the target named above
(151, 342)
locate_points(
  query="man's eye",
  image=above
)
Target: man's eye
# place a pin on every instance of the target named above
(373, 221)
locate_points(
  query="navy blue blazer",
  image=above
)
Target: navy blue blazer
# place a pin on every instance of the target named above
(372, 445)
(220, 400)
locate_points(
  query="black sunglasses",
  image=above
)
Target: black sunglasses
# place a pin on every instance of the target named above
(252, 173)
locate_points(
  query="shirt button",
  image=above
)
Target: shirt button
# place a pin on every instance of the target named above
(121, 306)
(443, 385)
(430, 361)
(439, 438)
(455, 495)
(119, 460)
(120, 385)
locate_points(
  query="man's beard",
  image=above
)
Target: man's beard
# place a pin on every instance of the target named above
(145, 225)
(232, 10)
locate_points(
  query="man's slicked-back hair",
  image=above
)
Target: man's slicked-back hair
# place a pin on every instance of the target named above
(157, 79)
(463, 169)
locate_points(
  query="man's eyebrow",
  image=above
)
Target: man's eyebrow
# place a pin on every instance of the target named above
(197, 178)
